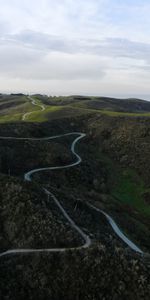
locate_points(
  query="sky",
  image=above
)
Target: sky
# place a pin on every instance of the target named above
(87, 47)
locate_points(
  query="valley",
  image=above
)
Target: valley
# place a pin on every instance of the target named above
(108, 171)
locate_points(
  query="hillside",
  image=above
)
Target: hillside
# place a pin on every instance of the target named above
(118, 105)
(13, 107)
(113, 176)
(104, 103)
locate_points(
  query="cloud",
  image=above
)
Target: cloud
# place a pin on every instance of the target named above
(41, 41)
(39, 56)
(74, 42)
(31, 63)
(100, 46)
(108, 47)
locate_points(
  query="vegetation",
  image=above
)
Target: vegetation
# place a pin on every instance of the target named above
(74, 105)
(129, 190)
(29, 222)
(114, 176)
(12, 110)
(98, 273)
(43, 116)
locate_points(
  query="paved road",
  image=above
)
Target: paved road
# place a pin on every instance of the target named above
(27, 176)
(34, 102)
(117, 230)
(85, 237)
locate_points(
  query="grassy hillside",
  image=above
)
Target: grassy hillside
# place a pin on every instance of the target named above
(102, 103)
(13, 107)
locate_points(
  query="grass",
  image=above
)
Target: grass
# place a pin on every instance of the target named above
(125, 185)
(10, 118)
(42, 116)
(51, 111)
(116, 114)
(111, 113)
(15, 114)
(129, 190)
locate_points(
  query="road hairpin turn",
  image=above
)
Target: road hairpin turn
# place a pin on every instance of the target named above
(77, 161)
(85, 237)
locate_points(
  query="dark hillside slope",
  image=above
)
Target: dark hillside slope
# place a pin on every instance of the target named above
(130, 105)
(96, 274)
(126, 139)
(114, 176)
(8, 102)
(119, 105)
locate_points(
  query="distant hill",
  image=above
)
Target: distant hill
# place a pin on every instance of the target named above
(129, 105)
(114, 104)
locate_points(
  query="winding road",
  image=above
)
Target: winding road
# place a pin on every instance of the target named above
(77, 161)
(34, 102)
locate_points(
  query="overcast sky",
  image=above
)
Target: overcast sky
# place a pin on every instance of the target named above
(99, 47)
